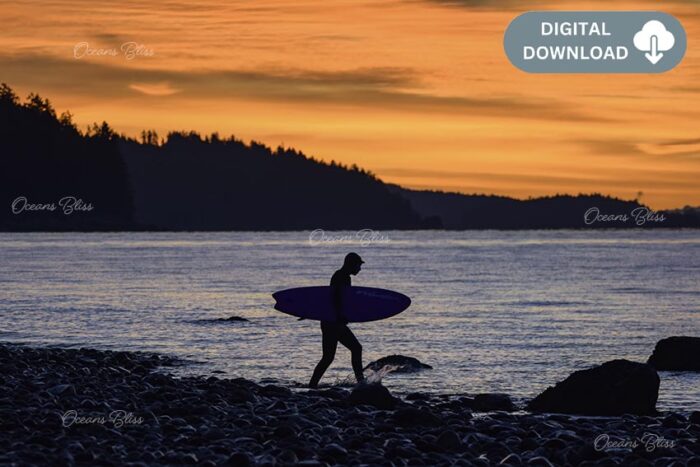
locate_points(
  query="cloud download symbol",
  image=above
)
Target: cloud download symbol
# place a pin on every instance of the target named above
(654, 38)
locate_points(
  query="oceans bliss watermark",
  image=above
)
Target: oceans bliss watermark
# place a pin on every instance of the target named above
(639, 216)
(127, 50)
(116, 418)
(66, 205)
(364, 237)
(649, 442)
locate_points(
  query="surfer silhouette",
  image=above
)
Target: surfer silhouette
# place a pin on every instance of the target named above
(338, 330)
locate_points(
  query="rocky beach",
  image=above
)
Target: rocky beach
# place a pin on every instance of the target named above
(91, 407)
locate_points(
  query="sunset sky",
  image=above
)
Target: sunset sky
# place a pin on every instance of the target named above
(419, 92)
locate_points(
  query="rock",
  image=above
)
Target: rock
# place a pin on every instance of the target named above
(271, 390)
(334, 451)
(232, 319)
(540, 461)
(60, 389)
(412, 416)
(266, 460)
(448, 441)
(678, 353)
(331, 393)
(372, 394)
(239, 459)
(695, 417)
(210, 421)
(284, 431)
(492, 402)
(417, 396)
(401, 363)
(511, 459)
(288, 457)
(613, 388)
(674, 420)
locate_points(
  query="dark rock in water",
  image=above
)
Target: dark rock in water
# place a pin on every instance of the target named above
(402, 363)
(372, 394)
(613, 388)
(492, 402)
(233, 319)
(678, 353)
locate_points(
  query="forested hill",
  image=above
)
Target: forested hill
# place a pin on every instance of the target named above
(463, 212)
(189, 183)
(55, 177)
(183, 182)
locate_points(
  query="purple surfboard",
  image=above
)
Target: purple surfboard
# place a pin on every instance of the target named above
(360, 304)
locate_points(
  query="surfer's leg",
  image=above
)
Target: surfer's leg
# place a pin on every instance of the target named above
(348, 339)
(330, 344)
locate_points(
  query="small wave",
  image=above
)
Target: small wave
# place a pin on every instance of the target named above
(229, 320)
(643, 290)
(546, 303)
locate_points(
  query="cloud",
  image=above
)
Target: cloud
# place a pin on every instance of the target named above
(155, 89)
(680, 142)
(498, 5)
(386, 88)
(610, 147)
(679, 148)
(532, 179)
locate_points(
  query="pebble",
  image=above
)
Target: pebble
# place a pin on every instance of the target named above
(213, 421)
(448, 441)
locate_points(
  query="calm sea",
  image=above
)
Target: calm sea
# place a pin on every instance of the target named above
(492, 311)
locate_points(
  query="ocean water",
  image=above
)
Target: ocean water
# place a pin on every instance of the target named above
(492, 311)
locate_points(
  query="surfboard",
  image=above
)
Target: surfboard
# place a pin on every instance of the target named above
(360, 304)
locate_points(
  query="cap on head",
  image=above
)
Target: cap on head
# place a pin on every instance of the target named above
(352, 259)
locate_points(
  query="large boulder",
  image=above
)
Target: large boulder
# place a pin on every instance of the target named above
(678, 353)
(613, 388)
(399, 364)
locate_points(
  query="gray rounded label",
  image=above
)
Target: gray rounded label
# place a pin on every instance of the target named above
(595, 42)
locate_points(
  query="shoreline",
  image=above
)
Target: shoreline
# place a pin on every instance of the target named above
(65, 406)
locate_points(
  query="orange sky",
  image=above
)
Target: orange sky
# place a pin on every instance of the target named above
(419, 92)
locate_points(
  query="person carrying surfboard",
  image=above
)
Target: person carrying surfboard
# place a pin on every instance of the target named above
(338, 330)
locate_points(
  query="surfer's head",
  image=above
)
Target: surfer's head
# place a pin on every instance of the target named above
(353, 263)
